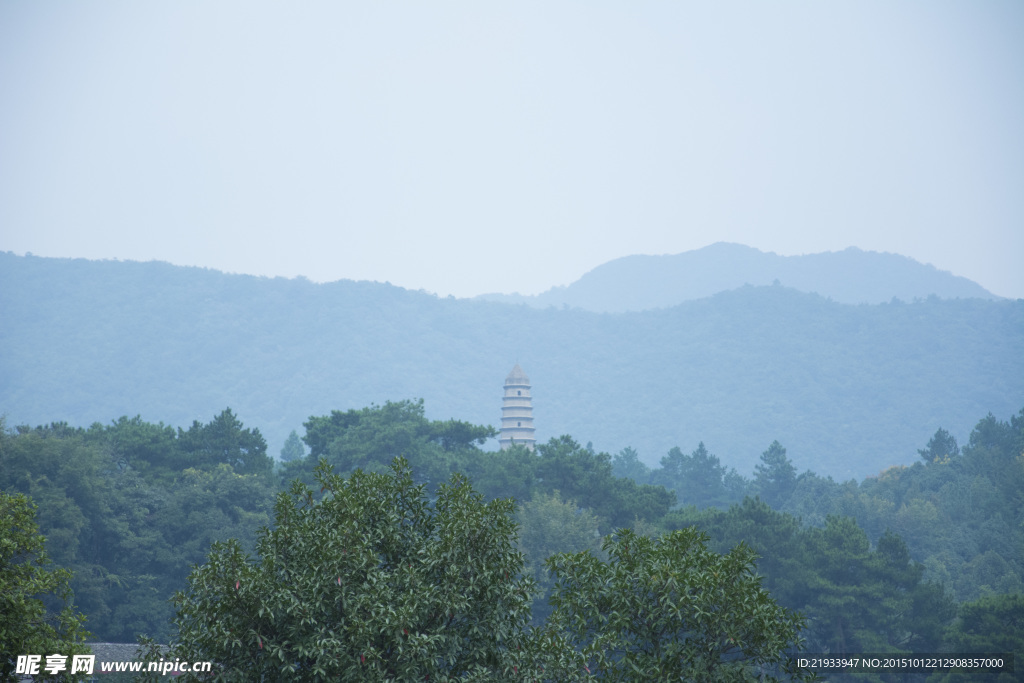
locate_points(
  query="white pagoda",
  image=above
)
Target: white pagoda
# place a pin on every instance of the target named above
(517, 411)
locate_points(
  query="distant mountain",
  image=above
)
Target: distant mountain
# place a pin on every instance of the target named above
(849, 390)
(852, 276)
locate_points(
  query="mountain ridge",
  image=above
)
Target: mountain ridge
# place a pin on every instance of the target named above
(645, 282)
(850, 390)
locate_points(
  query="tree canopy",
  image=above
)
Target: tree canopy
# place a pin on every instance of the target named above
(27, 627)
(879, 565)
(671, 609)
(131, 506)
(367, 580)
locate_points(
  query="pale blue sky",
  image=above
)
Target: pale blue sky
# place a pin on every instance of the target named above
(475, 147)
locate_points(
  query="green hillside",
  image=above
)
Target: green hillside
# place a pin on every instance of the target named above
(849, 390)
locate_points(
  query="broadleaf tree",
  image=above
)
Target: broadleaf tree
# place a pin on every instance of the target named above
(27, 627)
(367, 580)
(671, 609)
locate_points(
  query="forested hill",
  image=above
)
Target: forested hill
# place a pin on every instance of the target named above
(852, 276)
(849, 390)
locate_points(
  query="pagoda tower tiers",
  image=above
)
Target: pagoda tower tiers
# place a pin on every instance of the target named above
(517, 411)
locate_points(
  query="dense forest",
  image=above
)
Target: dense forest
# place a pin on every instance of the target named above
(924, 558)
(87, 340)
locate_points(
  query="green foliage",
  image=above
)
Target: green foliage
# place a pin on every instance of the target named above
(369, 582)
(776, 538)
(941, 448)
(116, 511)
(857, 598)
(149, 449)
(699, 478)
(994, 624)
(158, 452)
(224, 440)
(960, 511)
(814, 498)
(626, 463)
(368, 439)
(27, 627)
(566, 466)
(293, 448)
(130, 506)
(550, 525)
(149, 652)
(774, 476)
(671, 609)
(586, 476)
(504, 474)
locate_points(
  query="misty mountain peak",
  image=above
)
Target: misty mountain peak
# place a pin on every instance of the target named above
(853, 276)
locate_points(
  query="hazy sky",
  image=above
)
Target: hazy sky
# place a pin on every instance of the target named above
(476, 147)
